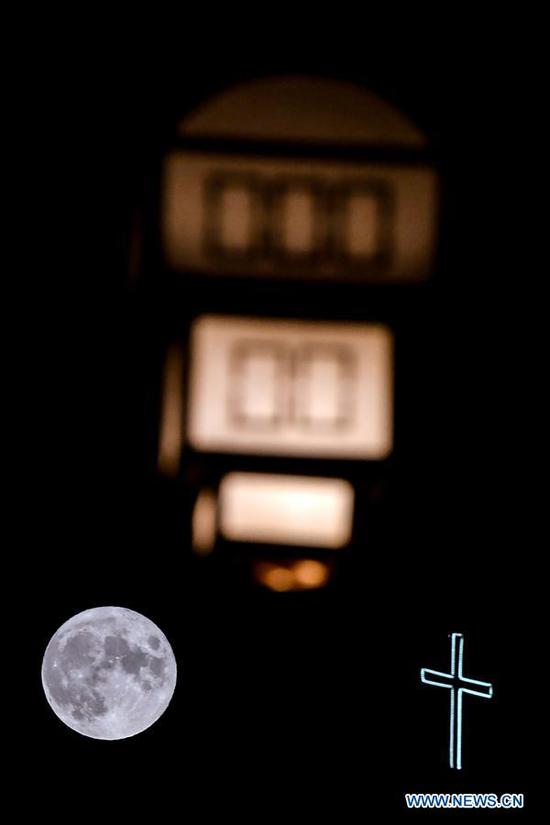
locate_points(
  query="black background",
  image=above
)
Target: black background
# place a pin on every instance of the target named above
(303, 703)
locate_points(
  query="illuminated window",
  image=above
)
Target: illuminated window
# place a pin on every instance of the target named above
(304, 218)
(236, 218)
(277, 387)
(283, 509)
(232, 216)
(288, 219)
(362, 226)
(298, 235)
(324, 386)
(364, 221)
(258, 384)
(296, 218)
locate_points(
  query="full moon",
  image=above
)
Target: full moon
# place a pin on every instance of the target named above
(109, 673)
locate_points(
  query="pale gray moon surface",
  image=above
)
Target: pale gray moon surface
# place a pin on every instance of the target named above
(109, 673)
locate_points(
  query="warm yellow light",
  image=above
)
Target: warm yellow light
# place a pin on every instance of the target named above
(276, 577)
(236, 225)
(301, 574)
(298, 225)
(297, 210)
(296, 388)
(171, 431)
(204, 523)
(200, 238)
(311, 573)
(361, 227)
(285, 509)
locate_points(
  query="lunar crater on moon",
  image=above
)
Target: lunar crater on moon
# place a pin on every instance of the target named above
(109, 673)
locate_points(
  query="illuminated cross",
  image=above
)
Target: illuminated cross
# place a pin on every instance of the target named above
(457, 684)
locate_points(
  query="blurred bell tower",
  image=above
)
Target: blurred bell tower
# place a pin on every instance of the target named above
(287, 252)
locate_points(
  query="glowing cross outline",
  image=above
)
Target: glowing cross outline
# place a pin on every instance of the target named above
(455, 686)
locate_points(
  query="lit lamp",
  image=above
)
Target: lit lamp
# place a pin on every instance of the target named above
(282, 200)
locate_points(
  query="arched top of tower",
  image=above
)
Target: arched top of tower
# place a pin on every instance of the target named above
(299, 109)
